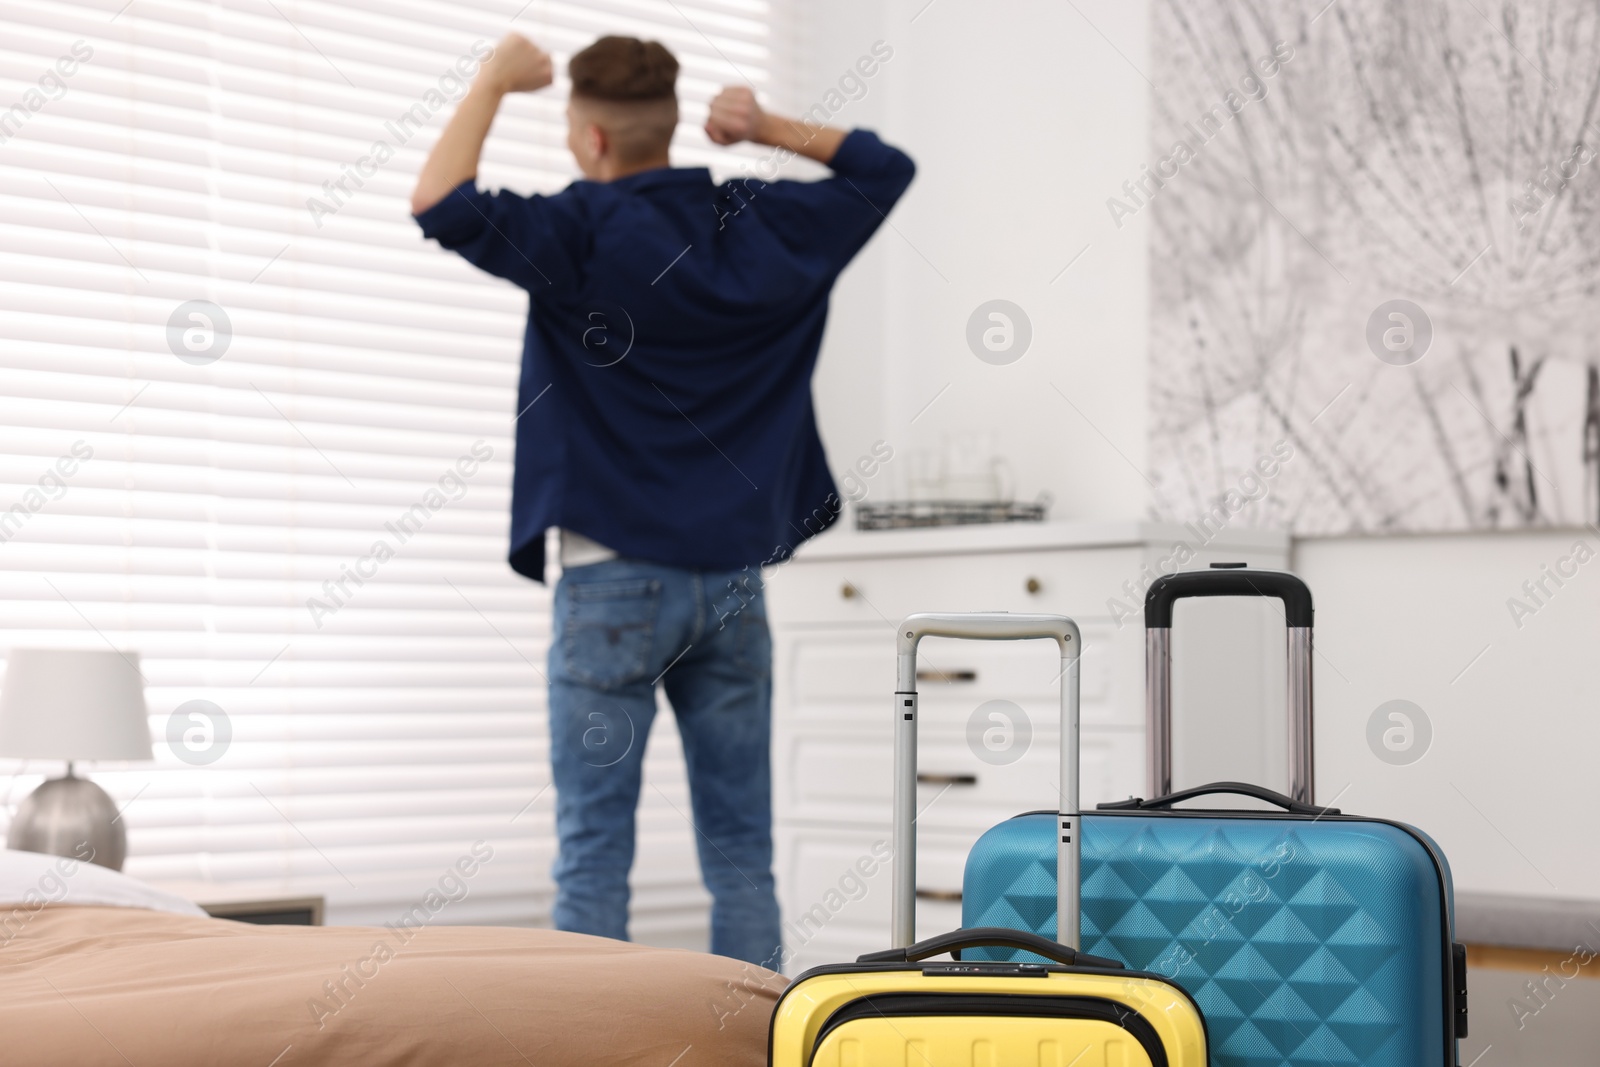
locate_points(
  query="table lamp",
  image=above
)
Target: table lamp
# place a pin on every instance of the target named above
(72, 704)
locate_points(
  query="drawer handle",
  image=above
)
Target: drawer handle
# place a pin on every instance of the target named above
(849, 591)
(950, 896)
(1033, 585)
(930, 778)
(947, 677)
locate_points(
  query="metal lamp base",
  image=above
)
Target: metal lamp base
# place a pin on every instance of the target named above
(71, 817)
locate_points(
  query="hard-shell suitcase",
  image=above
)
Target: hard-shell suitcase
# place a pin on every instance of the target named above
(898, 1008)
(1307, 937)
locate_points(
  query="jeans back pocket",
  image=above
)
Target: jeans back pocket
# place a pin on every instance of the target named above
(742, 608)
(608, 630)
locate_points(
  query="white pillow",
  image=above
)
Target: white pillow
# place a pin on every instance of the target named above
(31, 880)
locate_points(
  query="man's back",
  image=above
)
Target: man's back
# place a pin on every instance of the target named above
(673, 328)
(665, 424)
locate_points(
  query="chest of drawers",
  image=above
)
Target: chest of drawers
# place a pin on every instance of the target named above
(989, 729)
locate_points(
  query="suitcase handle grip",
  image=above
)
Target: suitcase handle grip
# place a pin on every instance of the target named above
(990, 937)
(1227, 579)
(983, 626)
(1243, 789)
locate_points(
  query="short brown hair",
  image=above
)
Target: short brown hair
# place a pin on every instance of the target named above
(624, 69)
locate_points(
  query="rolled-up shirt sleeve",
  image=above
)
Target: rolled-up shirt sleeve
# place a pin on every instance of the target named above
(537, 242)
(843, 211)
(878, 171)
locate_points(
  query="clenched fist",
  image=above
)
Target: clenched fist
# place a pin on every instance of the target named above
(735, 116)
(518, 66)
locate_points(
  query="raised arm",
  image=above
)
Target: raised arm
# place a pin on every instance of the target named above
(735, 116)
(834, 216)
(517, 65)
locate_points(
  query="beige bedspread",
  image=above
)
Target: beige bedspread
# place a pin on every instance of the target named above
(86, 987)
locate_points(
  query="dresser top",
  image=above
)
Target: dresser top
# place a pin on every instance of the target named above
(842, 542)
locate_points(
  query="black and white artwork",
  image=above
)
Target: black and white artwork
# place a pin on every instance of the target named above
(1374, 260)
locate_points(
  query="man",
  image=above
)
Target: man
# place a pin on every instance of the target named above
(666, 429)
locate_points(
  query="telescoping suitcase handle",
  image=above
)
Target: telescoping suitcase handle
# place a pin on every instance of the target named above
(989, 626)
(1227, 579)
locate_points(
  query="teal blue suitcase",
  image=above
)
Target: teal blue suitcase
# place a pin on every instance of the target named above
(1307, 937)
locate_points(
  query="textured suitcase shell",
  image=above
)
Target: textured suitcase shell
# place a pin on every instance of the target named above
(1305, 941)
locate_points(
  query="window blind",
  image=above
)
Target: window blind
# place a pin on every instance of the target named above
(257, 430)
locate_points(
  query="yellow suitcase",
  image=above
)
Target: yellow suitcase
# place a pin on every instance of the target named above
(898, 1009)
(903, 1008)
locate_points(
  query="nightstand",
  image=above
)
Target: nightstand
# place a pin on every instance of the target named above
(251, 903)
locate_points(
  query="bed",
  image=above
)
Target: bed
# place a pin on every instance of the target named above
(98, 969)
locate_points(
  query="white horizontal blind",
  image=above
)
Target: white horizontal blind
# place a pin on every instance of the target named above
(215, 512)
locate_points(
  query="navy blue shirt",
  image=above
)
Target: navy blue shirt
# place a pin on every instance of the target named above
(673, 327)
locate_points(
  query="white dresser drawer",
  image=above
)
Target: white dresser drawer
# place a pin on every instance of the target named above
(849, 677)
(844, 942)
(881, 592)
(836, 676)
(941, 863)
(839, 943)
(830, 910)
(834, 891)
(960, 675)
(848, 779)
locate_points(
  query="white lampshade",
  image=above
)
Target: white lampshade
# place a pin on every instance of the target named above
(73, 704)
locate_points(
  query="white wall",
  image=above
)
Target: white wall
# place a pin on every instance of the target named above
(1023, 117)
(1022, 121)
(1508, 780)
(850, 378)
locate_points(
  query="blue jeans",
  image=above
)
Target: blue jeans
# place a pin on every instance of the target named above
(621, 627)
